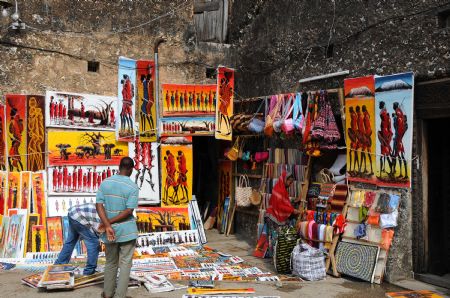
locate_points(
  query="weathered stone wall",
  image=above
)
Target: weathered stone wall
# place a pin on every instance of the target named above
(282, 41)
(53, 54)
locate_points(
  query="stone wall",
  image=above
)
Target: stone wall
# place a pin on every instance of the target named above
(52, 53)
(282, 41)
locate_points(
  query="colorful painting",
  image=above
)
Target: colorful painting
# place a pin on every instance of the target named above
(125, 125)
(16, 115)
(360, 125)
(55, 236)
(4, 234)
(80, 111)
(188, 126)
(33, 220)
(394, 123)
(162, 219)
(188, 100)
(224, 107)
(36, 133)
(3, 137)
(14, 191)
(60, 205)
(39, 206)
(176, 174)
(145, 173)
(146, 98)
(15, 245)
(79, 180)
(25, 195)
(225, 182)
(79, 148)
(3, 191)
(39, 238)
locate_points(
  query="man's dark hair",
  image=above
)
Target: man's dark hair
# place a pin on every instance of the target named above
(126, 163)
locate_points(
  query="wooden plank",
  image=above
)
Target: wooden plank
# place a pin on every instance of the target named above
(224, 22)
(201, 6)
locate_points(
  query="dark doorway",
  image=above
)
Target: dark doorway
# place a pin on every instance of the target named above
(439, 198)
(205, 183)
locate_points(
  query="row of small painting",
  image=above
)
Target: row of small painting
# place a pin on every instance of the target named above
(22, 232)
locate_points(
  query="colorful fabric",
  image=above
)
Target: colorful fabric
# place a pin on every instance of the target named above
(280, 207)
(118, 193)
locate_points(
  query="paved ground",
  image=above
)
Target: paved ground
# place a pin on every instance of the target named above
(10, 285)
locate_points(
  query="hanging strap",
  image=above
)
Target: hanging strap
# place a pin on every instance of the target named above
(288, 107)
(297, 107)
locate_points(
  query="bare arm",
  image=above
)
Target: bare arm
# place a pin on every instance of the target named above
(110, 235)
(122, 216)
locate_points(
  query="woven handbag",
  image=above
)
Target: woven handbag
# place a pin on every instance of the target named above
(243, 192)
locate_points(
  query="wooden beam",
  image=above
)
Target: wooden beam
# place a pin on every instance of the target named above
(202, 6)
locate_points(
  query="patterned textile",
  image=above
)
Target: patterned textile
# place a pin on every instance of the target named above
(308, 262)
(85, 214)
(356, 260)
(286, 241)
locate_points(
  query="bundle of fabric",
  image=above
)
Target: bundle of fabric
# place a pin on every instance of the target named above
(339, 198)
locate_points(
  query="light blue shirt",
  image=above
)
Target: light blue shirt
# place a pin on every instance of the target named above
(118, 193)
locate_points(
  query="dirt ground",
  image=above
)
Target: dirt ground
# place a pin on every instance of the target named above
(10, 285)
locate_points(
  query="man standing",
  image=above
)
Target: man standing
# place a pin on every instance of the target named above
(84, 223)
(117, 197)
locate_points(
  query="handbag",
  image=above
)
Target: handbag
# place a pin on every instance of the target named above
(268, 128)
(279, 117)
(255, 124)
(286, 110)
(288, 124)
(261, 156)
(297, 116)
(233, 153)
(243, 192)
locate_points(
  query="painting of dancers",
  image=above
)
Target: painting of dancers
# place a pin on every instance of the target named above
(78, 180)
(145, 173)
(204, 126)
(3, 191)
(146, 100)
(15, 245)
(188, 100)
(39, 238)
(25, 189)
(224, 107)
(162, 219)
(176, 174)
(39, 198)
(3, 154)
(55, 236)
(14, 191)
(35, 133)
(394, 124)
(125, 126)
(60, 205)
(80, 111)
(84, 148)
(360, 125)
(16, 130)
(33, 219)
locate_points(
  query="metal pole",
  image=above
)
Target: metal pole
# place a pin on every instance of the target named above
(325, 76)
(157, 43)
